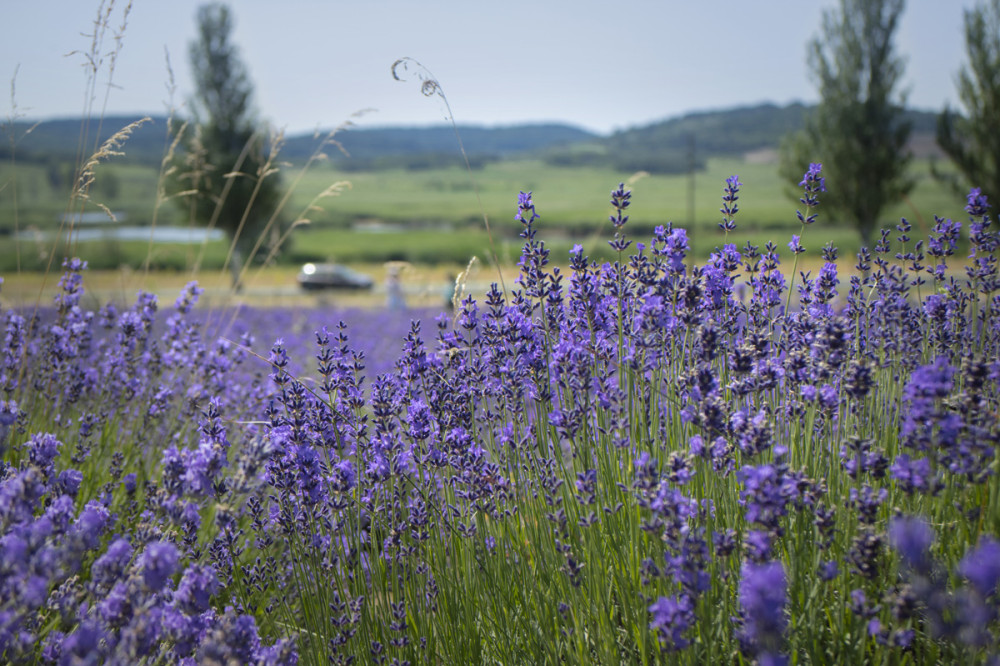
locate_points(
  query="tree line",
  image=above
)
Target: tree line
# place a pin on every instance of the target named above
(859, 130)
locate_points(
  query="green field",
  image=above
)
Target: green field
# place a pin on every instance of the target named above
(434, 216)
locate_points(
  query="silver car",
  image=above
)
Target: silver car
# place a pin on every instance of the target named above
(332, 276)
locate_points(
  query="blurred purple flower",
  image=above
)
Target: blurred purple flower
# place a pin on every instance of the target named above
(672, 617)
(158, 562)
(912, 475)
(111, 564)
(912, 537)
(981, 566)
(196, 588)
(762, 598)
(91, 522)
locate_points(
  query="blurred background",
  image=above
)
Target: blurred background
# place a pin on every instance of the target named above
(347, 159)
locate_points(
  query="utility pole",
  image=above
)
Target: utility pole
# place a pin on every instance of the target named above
(691, 166)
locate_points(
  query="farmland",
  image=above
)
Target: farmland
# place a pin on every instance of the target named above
(434, 216)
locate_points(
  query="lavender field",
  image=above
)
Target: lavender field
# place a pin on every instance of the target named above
(641, 461)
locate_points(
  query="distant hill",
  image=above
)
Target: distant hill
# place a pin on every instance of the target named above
(739, 130)
(678, 144)
(57, 140)
(670, 146)
(422, 147)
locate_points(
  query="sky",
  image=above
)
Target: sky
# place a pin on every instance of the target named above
(316, 64)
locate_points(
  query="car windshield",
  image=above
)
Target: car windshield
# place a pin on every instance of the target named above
(333, 274)
(327, 269)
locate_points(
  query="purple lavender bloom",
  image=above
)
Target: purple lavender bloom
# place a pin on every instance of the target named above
(826, 283)
(730, 195)
(343, 477)
(34, 590)
(912, 475)
(977, 205)
(114, 609)
(158, 562)
(812, 178)
(51, 646)
(755, 433)
(912, 537)
(795, 245)
(733, 186)
(586, 483)
(188, 297)
(14, 551)
(867, 502)
(672, 617)
(196, 588)
(418, 420)
(927, 386)
(764, 494)
(91, 522)
(757, 545)
(903, 638)
(829, 570)
(111, 564)
(83, 646)
(930, 381)
(69, 481)
(378, 467)
(762, 601)
(676, 250)
(308, 468)
(60, 513)
(981, 566)
(620, 199)
(42, 451)
(943, 238)
(525, 209)
(674, 505)
(814, 183)
(8, 414)
(181, 629)
(232, 639)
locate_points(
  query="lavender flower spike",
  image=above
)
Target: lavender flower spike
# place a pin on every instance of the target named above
(982, 567)
(976, 203)
(762, 600)
(814, 183)
(729, 207)
(912, 538)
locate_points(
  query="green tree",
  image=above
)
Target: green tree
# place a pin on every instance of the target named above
(857, 130)
(972, 140)
(223, 173)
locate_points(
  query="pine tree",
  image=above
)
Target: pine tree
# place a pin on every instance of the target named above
(972, 140)
(223, 171)
(857, 130)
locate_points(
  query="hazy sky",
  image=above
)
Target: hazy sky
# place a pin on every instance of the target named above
(599, 65)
